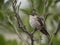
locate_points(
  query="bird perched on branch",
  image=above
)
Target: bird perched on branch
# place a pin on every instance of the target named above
(38, 23)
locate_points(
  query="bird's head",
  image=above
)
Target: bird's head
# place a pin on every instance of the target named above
(34, 13)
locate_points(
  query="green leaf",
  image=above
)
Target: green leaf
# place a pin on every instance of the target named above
(8, 3)
(49, 4)
(1, 16)
(1, 3)
(26, 11)
(21, 42)
(39, 6)
(11, 42)
(56, 41)
(37, 34)
(2, 40)
(6, 28)
(56, 17)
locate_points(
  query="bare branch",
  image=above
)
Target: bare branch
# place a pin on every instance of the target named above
(20, 23)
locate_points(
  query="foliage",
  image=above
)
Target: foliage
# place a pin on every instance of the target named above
(3, 41)
(8, 22)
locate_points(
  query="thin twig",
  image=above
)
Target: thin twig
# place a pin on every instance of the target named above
(19, 6)
(55, 33)
(32, 40)
(50, 42)
(14, 27)
(46, 15)
(32, 4)
(19, 35)
(58, 27)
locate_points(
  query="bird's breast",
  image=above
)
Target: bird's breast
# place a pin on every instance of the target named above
(34, 23)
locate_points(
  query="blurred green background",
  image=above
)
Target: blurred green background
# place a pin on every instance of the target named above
(8, 22)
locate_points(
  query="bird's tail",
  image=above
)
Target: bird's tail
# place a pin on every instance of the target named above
(44, 31)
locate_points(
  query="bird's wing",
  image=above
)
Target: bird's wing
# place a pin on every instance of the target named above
(41, 21)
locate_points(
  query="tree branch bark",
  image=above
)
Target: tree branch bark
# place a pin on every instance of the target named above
(20, 23)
